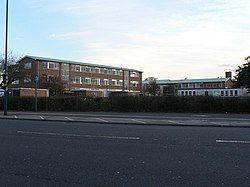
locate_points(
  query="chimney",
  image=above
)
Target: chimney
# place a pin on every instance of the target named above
(228, 74)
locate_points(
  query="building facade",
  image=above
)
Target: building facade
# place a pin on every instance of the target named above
(199, 87)
(91, 79)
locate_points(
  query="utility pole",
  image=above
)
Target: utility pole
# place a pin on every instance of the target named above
(5, 78)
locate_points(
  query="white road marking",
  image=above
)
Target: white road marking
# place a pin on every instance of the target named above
(41, 117)
(69, 119)
(80, 135)
(220, 123)
(138, 121)
(233, 141)
(100, 119)
(174, 122)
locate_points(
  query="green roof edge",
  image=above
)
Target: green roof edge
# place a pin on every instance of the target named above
(77, 62)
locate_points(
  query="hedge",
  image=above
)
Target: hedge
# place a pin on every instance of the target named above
(196, 104)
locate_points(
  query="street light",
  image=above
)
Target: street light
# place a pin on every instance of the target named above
(5, 77)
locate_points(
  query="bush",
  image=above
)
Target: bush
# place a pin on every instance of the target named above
(132, 104)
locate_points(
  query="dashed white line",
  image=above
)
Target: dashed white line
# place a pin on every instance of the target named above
(138, 121)
(174, 122)
(69, 119)
(233, 141)
(80, 135)
(100, 119)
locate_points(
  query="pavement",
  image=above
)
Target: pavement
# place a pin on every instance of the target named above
(158, 119)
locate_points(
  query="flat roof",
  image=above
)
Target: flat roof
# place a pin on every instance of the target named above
(167, 81)
(77, 63)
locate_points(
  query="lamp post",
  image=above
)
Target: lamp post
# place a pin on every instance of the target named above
(5, 78)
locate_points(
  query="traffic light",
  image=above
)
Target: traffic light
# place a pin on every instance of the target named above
(3, 85)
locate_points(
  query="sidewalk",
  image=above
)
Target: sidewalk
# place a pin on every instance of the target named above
(159, 119)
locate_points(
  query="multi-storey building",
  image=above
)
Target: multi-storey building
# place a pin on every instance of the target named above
(92, 79)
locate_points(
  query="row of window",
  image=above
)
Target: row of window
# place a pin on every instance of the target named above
(229, 93)
(222, 93)
(96, 81)
(88, 69)
(78, 68)
(200, 85)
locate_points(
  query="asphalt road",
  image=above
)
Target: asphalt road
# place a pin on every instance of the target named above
(47, 153)
(160, 119)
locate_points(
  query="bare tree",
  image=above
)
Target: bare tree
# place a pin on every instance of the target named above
(151, 87)
(14, 67)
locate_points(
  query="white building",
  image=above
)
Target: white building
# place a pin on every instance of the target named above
(226, 92)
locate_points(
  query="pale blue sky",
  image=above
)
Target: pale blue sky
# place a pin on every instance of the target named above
(170, 39)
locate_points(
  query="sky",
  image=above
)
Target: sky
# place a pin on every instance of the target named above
(166, 39)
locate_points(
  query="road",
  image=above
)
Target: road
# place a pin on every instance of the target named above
(160, 119)
(50, 153)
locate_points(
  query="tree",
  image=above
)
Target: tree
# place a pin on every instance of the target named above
(242, 77)
(14, 68)
(151, 87)
(55, 86)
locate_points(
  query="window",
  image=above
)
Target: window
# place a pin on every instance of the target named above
(77, 68)
(184, 85)
(134, 83)
(226, 93)
(119, 72)
(97, 70)
(94, 81)
(134, 74)
(194, 93)
(190, 93)
(236, 92)
(15, 82)
(27, 79)
(215, 85)
(231, 92)
(222, 93)
(87, 80)
(114, 72)
(106, 81)
(53, 65)
(44, 78)
(83, 69)
(83, 80)
(191, 85)
(102, 71)
(27, 65)
(76, 80)
(102, 81)
(113, 82)
(120, 83)
(110, 82)
(87, 69)
(51, 78)
(44, 65)
(105, 71)
(110, 71)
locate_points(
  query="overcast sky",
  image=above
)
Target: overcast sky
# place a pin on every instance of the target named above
(167, 39)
